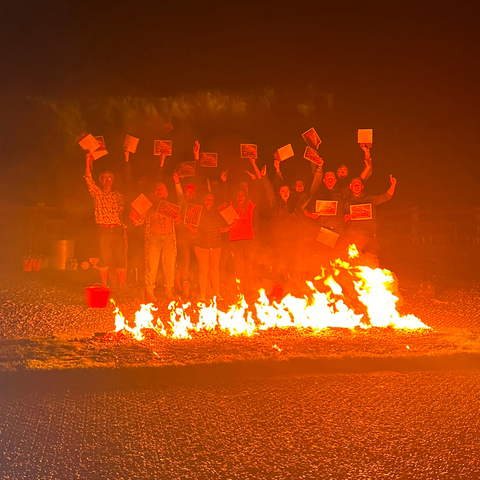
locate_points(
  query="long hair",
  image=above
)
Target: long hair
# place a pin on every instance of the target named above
(155, 187)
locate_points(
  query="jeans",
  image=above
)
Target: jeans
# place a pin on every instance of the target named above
(208, 265)
(112, 247)
(160, 248)
(243, 253)
(185, 243)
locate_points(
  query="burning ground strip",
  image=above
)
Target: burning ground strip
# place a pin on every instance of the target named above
(343, 296)
(349, 312)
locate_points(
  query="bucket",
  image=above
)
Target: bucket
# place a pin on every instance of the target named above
(32, 264)
(62, 250)
(97, 296)
(36, 264)
(27, 264)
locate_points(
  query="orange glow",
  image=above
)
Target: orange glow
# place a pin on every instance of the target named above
(325, 305)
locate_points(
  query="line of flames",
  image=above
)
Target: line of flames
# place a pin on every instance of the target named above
(317, 311)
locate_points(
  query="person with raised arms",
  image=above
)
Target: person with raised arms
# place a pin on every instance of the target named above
(108, 204)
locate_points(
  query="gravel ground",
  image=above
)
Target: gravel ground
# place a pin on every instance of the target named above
(45, 324)
(395, 426)
(46, 303)
(384, 425)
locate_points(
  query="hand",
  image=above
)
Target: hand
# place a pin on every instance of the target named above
(89, 158)
(176, 178)
(223, 176)
(276, 164)
(252, 160)
(366, 149)
(162, 159)
(393, 180)
(196, 150)
(127, 155)
(134, 216)
(233, 223)
(320, 164)
(251, 175)
(368, 162)
(264, 171)
(314, 215)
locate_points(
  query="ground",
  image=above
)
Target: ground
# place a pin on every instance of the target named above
(280, 404)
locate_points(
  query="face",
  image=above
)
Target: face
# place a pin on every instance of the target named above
(208, 201)
(190, 194)
(356, 187)
(330, 180)
(106, 179)
(299, 186)
(241, 198)
(342, 172)
(160, 190)
(284, 193)
(244, 186)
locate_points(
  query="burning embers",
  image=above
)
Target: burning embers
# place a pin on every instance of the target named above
(345, 295)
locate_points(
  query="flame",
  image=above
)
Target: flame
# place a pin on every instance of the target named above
(143, 320)
(325, 305)
(353, 251)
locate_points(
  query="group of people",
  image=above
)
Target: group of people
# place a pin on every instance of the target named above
(286, 231)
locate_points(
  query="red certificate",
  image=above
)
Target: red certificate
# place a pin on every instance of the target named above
(324, 207)
(361, 212)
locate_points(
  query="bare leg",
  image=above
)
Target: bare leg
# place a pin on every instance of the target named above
(122, 275)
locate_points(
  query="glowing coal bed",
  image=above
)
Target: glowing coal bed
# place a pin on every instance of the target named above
(344, 295)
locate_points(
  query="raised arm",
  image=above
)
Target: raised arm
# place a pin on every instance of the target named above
(88, 165)
(92, 186)
(278, 174)
(317, 179)
(393, 184)
(258, 175)
(385, 197)
(178, 187)
(196, 150)
(162, 161)
(223, 187)
(367, 171)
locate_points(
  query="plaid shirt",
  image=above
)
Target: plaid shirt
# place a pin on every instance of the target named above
(108, 205)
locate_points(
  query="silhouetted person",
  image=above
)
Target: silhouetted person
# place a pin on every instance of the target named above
(361, 225)
(108, 205)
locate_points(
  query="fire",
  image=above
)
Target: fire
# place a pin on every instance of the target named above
(327, 304)
(352, 251)
(143, 320)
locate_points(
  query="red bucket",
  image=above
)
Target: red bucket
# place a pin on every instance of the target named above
(27, 264)
(97, 296)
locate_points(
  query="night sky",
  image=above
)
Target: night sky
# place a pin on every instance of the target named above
(409, 70)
